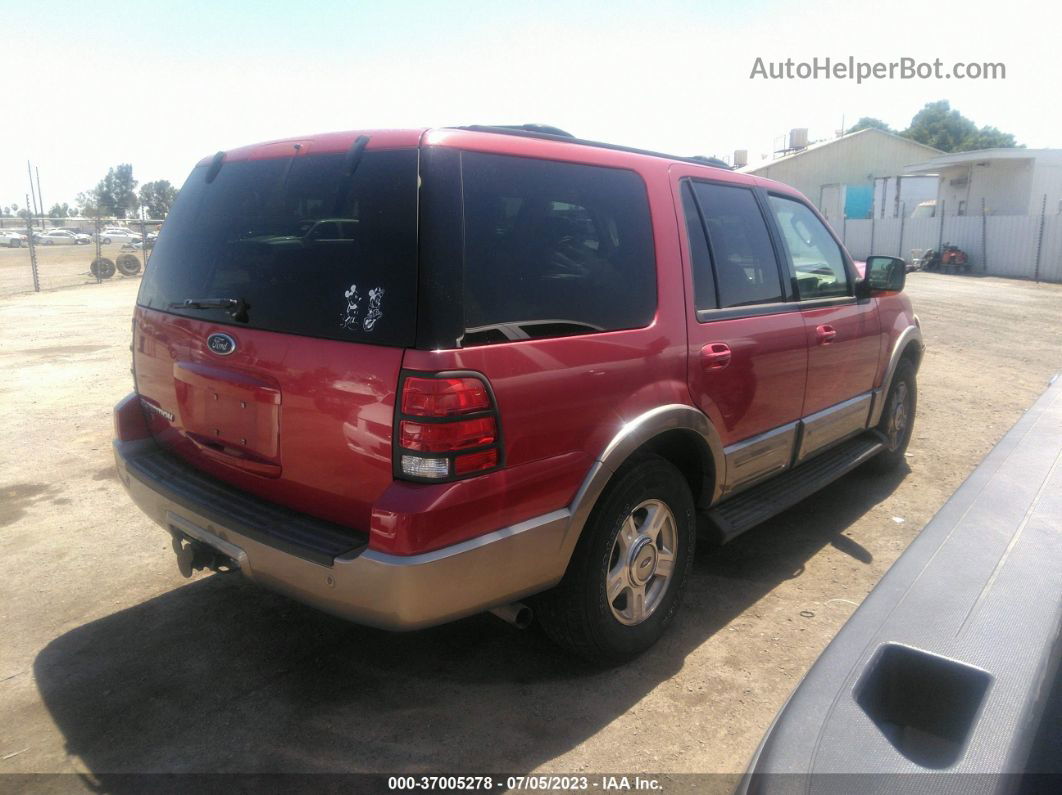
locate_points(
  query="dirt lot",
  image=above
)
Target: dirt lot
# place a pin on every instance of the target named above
(57, 266)
(110, 662)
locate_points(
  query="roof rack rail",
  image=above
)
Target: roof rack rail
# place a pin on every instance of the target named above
(545, 129)
(551, 133)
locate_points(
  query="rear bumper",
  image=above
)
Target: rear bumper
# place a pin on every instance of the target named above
(360, 584)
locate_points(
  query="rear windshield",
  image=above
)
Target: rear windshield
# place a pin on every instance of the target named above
(304, 247)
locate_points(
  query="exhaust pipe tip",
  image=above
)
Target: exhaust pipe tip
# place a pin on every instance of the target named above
(518, 614)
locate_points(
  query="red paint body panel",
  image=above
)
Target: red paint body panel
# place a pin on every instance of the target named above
(323, 411)
(560, 401)
(308, 423)
(846, 365)
(763, 385)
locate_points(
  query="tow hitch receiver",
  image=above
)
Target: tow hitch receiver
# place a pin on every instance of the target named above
(193, 555)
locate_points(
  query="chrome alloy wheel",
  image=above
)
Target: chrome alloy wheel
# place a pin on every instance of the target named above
(898, 416)
(642, 562)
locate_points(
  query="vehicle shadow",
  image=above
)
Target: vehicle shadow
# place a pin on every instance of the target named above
(221, 676)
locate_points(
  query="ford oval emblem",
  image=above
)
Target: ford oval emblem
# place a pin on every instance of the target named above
(221, 344)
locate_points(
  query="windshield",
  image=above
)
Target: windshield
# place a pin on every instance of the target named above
(302, 245)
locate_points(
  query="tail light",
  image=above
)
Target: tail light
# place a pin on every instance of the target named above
(446, 427)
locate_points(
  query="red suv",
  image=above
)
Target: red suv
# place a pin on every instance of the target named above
(407, 376)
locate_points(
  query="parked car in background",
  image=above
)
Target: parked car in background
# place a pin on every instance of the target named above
(12, 238)
(61, 237)
(438, 372)
(118, 234)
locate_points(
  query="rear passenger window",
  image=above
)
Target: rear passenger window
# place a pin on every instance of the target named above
(700, 259)
(745, 269)
(553, 249)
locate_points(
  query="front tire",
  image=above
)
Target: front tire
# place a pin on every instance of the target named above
(897, 418)
(106, 241)
(628, 572)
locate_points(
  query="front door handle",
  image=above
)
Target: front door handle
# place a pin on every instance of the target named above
(826, 334)
(715, 355)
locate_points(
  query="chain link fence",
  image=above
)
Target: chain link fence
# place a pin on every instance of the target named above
(49, 253)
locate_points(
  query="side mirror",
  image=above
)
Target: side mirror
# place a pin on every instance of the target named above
(885, 275)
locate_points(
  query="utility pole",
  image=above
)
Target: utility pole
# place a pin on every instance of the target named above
(33, 251)
(33, 193)
(1040, 238)
(984, 237)
(40, 195)
(903, 219)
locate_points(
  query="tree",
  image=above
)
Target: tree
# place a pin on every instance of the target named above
(992, 138)
(59, 211)
(868, 123)
(939, 125)
(116, 192)
(88, 203)
(157, 197)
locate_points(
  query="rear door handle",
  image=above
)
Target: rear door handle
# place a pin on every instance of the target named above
(715, 355)
(826, 334)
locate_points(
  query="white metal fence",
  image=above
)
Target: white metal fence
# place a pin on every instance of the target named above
(1018, 246)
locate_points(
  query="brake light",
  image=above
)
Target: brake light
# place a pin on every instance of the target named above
(445, 437)
(444, 397)
(447, 427)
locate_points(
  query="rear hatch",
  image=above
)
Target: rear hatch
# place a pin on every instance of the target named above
(272, 318)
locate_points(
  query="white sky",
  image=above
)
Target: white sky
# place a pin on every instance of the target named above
(92, 84)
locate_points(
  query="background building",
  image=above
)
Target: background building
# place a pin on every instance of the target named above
(1008, 181)
(838, 175)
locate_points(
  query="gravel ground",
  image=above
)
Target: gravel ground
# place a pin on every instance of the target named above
(111, 662)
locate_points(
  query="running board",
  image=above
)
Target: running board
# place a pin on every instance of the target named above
(750, 508)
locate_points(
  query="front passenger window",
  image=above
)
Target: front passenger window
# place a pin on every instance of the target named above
(813, 254)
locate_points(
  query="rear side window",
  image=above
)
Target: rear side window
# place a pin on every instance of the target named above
(307, 247)
(745, 269)
(553, 249)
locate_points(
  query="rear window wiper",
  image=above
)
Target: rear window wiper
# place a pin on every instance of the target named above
(236, 307)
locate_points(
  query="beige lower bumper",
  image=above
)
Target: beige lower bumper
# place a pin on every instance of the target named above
(377, 589)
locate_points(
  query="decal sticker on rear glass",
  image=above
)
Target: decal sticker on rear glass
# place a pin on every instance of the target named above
(374, 313)
(349, 318)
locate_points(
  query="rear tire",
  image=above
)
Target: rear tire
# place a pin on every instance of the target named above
(637, 547)
(897, 418)
(107, 241)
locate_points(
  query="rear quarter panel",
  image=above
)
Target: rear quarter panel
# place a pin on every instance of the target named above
(561, 401)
